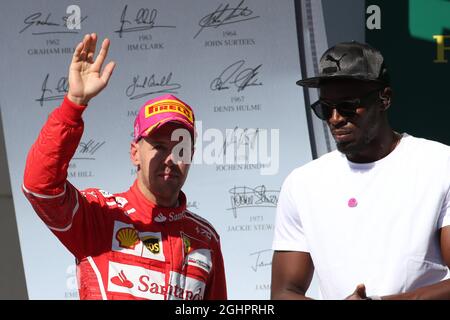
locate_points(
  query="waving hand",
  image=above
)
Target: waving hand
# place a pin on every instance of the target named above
(86, 77)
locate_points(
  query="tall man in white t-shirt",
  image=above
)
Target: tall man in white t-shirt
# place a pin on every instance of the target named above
(373, 217)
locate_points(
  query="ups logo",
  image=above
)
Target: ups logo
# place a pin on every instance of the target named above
(152, 244)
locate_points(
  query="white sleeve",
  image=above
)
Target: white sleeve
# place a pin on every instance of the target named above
(444, 216)
(288, 235)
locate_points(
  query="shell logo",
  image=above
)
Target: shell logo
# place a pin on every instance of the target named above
(127, 237)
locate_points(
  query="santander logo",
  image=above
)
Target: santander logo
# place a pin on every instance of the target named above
(121, 280)
(173, 291)
(151, 284)
(175, 216)
(172, 217)
(160, 217)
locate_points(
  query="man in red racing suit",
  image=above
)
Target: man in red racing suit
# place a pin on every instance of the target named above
(131, 245)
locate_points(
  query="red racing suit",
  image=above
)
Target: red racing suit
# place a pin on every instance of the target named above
(125, 246)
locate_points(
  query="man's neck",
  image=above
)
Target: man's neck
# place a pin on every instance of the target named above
(166, 202)
(377, 149)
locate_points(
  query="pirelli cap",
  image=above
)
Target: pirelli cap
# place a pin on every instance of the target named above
(158, 111)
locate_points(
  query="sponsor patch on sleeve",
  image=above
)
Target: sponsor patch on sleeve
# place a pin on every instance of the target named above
(200, 258)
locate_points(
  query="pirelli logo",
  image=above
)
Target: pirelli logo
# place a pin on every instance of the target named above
(167, 105)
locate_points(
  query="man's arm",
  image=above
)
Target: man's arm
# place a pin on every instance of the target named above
(217, 287)
(437, 291)
(48, 159)
(292, 272)
(45, 183)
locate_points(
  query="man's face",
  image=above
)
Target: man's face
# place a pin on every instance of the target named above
(158, 171)
(353, 132)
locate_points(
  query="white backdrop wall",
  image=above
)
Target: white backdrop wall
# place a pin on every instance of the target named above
(12, 277)
(234, 62)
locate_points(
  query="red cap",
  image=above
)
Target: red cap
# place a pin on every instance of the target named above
(161, 110)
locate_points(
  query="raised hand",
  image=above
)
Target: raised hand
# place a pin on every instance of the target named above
(85, 77)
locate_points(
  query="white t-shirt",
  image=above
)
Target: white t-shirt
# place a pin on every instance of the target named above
(374, 223)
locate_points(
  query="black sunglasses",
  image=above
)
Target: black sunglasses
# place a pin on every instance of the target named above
(347, 108)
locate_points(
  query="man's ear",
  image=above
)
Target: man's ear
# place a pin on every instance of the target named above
(386, 98)
(134, 153)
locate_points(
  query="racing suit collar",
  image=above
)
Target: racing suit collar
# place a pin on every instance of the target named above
(157, 213)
